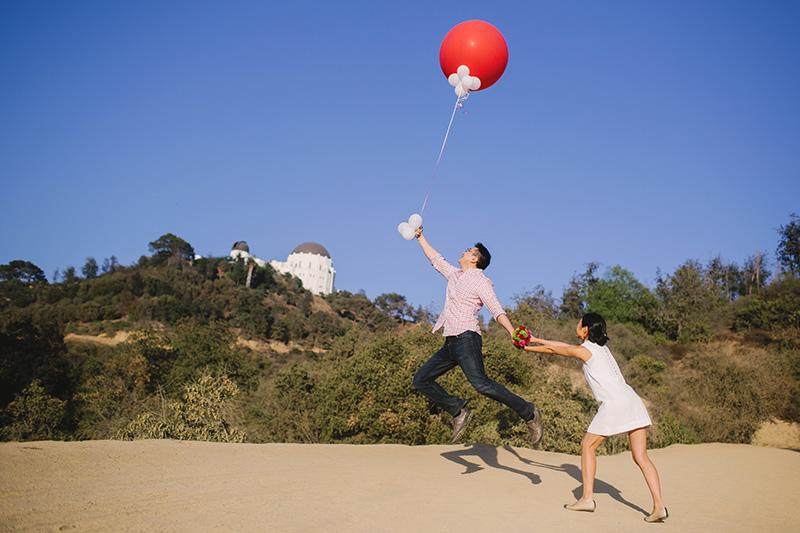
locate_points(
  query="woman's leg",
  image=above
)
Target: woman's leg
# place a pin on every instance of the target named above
(589, 446)
(639, 450)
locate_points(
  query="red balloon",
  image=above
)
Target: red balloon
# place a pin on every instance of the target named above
(478, 45)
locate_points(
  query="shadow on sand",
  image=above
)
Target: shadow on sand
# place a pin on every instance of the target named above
(488, 456)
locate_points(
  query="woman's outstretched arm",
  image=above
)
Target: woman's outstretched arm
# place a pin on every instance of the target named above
(560, 348)
(549, 343)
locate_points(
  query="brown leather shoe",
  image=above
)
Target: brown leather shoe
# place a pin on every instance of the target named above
(535, 427)
(460, 423)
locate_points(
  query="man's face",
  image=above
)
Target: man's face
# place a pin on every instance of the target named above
(469, 257)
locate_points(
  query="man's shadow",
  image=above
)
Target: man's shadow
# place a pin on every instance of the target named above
(574, 471)
(488, 455)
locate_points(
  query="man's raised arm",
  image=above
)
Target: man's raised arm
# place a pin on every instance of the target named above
(429, 250)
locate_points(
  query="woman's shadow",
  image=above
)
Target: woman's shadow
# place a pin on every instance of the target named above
(574, 471)
(488, 455)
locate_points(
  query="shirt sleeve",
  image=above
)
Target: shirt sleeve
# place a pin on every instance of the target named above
(489, 299)
(442, 266)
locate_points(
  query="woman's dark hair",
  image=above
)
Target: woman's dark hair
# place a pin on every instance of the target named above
(483, 260)
(597, 328)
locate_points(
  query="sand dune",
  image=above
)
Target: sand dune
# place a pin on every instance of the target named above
(197, 486)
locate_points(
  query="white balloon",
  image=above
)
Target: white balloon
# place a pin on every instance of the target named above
(461, 91)
(408, 233)
(476, 83)
(402, 227)
(415, 221)
(472, 83)
(452, 79)
(462, 71)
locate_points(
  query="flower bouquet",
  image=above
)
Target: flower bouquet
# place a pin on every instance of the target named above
(522, 336)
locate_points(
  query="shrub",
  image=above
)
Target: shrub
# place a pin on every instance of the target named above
(288, 413)
(200, 415)
(646, 370)
(669, 430)
(725, 392)
(33, 415)
(369, 398)
(199, 348)
(115, 386)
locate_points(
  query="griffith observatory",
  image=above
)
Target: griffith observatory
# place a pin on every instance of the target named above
(310, 262)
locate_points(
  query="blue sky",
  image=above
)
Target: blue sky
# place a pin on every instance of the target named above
(630, 133)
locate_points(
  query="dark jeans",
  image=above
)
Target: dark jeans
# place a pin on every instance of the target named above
(465, 351)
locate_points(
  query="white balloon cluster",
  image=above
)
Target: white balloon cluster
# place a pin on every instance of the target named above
(463, 82)
(408, 229)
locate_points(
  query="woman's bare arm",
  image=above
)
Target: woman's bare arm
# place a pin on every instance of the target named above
(561, 348)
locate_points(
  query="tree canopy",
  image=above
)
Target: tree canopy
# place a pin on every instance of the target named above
(789, 245)
(169, 246)
(23, 271)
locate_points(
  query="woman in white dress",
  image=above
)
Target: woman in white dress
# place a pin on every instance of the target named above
(620, 410)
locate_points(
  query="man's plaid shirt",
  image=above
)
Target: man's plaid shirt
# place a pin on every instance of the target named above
(466, 293)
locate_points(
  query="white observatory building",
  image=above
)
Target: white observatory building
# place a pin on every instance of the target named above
(310, 262)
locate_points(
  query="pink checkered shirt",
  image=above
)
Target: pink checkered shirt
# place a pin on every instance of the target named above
(466, 293)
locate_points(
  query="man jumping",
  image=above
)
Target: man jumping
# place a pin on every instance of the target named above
(468, 289)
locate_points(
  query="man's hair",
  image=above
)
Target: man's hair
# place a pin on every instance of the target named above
(485, 256)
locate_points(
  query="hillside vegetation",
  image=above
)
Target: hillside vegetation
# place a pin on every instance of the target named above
(224, 351)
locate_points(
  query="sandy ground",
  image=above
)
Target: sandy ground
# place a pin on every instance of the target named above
(197, 486)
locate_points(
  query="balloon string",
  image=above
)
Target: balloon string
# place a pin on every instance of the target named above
(458, 104)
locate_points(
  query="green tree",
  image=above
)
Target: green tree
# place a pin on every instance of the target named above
(725, 277)
(619, 296)
(424, 314)
(110, 265)
(789, 245)
(89, 270)
(538, 300)
(171, 248)
(754, 275)
(394, 305)
(263, 277)
(688, 297)
(239, 272)
(23, 271)
(70, 276)
(573, 300)
(359, 309)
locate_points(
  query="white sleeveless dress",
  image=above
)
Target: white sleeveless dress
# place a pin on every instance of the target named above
(619, 408)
